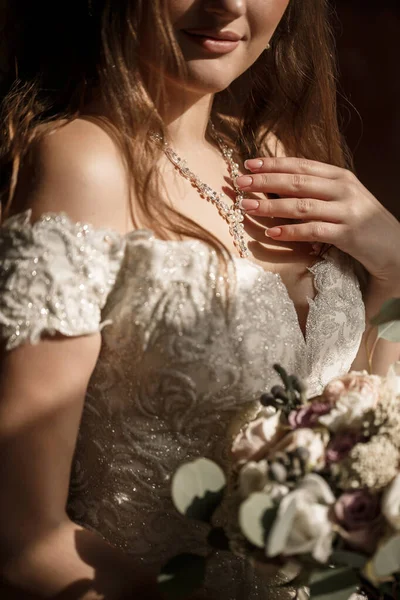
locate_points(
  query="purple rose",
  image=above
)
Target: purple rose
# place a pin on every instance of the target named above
(308, 416)
(359, 517)
(341, 445)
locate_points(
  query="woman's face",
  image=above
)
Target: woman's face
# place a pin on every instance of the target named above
(220, 39)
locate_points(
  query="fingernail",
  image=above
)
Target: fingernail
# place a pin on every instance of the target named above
(244, 181)
(248, 204)
(273, 232)
(253, 163)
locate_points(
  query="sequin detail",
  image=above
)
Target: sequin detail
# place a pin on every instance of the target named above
(177, 371)
(54, 277)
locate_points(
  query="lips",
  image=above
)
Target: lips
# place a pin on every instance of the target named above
(224, 36)
(214, 42)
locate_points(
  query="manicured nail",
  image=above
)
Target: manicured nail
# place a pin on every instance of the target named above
(248, 204)
(244, 181)
(253, 164)
(273, 231)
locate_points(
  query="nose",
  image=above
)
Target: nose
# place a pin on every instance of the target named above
(235, 8)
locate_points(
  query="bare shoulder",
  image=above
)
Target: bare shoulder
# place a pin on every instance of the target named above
(77, 169)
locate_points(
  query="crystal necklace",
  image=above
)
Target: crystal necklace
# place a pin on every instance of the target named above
(233, 215)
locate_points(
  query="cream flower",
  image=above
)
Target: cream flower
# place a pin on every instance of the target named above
(313, 441)
(393, 378)
(348, 412)
(391, 503)
(256, 438)
(352, 396)
(253, 477)
(302, 524)
(359, 382)
(372, 465)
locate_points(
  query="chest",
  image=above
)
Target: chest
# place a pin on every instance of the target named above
(290, 261)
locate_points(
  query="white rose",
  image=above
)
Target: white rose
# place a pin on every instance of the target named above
(302, 525)
(391, 503)
(349, 410)
(253, 477)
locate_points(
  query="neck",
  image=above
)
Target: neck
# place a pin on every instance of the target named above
(187, 119)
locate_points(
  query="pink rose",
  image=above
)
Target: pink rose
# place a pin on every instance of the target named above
(359, 517)
(341, 445)
(352, 397)
(358, 382)
(308, 416)
(256, 438)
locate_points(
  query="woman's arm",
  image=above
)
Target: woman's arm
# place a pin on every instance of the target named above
(385, 352)
(41, 399)
(42, 389)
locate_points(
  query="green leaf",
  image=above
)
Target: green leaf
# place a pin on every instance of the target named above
(203, 508)
(182, 575)
(267, 520)
(348, 559)
(386, 589)
(333, 584)
(386, 560)
(390, 331)
(198, 488)
(301, 580)
(390, 311)
(252, 513)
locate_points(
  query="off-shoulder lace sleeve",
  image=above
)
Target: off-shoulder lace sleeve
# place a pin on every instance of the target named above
(55, 276)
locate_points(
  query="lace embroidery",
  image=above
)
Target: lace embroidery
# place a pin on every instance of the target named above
(175, 374)
(54, 276)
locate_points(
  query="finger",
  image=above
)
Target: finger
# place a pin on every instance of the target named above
(314, 231)
(302, 166)
(305, 209)
(295, 186)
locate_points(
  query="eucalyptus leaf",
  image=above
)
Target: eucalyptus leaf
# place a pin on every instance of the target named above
(346, 558)
(268, 519)
(386, 560)
(255, 519)
(333, 584)
(386, 589)
(390, 331)
(390, 311)
(197, 489)
(182, 575)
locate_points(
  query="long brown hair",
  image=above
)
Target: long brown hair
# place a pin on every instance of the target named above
(55, 62)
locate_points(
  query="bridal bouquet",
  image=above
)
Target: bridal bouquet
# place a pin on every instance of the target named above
(313, 488)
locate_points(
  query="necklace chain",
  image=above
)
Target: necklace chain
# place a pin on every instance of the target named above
(233, 215)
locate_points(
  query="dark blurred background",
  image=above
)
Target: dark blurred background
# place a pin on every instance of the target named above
(368, 40)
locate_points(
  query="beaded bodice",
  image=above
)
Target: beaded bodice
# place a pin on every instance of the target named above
(179, 365)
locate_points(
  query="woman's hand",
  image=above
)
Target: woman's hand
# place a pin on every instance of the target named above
(335, 207)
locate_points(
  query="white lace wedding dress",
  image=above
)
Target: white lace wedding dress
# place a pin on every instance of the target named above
(176, 368)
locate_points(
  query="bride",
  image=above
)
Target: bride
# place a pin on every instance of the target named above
(177, 216)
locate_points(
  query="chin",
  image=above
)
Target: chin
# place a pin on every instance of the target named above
(210, 80)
